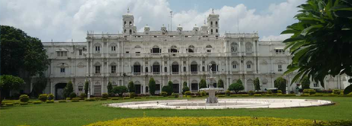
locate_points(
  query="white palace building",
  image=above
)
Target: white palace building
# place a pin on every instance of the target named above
(178, 56)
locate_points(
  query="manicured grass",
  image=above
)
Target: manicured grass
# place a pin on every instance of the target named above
(86, 112)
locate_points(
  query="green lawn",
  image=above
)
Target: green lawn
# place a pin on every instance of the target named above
(83, 112)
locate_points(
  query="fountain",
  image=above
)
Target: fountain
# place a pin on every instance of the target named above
(211, 90)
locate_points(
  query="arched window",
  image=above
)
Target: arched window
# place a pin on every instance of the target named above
(130, 31)
(191, 49)
(173, 49)
(175, 68)
(130, 22)
(194, 67)
(156, 49)
(250, 85)
(212, 66)
(249, 64)
(249, 47)
(137, 68)
(234, 65)
(124, 23)
(234, 47)
(216, 24)
(156, 68)
(211, 31)
(211, 24)
(208, 46)
(217, 31)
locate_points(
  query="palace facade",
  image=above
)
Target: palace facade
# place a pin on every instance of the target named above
(178, 56)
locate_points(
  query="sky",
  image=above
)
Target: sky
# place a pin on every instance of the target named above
(69, 20)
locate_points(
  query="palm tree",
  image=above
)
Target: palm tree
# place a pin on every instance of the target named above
(322, 40)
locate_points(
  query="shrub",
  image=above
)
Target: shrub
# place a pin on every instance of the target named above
(68, 89)
(132, 94)
(236, 86)
(83, 96)
(279, 91)
(72, 95)
(115, 98)
(43, 97)
(312, 92)
(62, 101)
(75, 100)
(126, 98)
(257, 95)
(269, 92)
(50, 101)
(37, 102)
(97, 98)
(50, 97)
(305, 91)
(175, 95)
(164, 94)
(227, 92)
(105, 95)
(131, 87)
(251, 93)
(120, 90)
(187, 93)
(202, 93)
(184, 89)
(90, 99)
(152, 86)
(24, 98)
(349, 94)
(23, 103)
(337, 92)
(9, 104)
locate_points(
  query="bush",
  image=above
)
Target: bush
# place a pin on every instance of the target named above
(187, 93)
(90, 99)
(24, 98)
(306, 91)
(9, 104)
(269, 92)
(164, 94)
(50, 97)
(37, 102)
(115, 98)
(175, 95)
(337, 92)
(184, 89)
(62, 101)
(250, 93)
(227, 93)
(83, 96)
(132, 94)
(236, 86)
(120, 90)
(202, 93)
(75, 99)
(105, 95)
(126, 98)
(24, 103)
(309, 91)
(279, 91)
(43, 97)
(72, 95)
(257, 95)
(50, 101)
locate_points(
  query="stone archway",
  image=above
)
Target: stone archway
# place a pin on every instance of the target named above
(59, 90)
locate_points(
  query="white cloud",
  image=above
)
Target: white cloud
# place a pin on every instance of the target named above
(63, 20)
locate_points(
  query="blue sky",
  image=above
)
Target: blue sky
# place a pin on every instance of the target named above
(64, 20)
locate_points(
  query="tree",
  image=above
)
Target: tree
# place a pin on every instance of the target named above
(39, 85)
(68, 89)
(131, 87)
(257, 84)
(321, 41)
(86, 87)
(220, 83)
(202, 84)
(21, 55)
(170, 88)
(9, 83)
(152, 86)
(305, 83)
(120, 90)
(109, 87)
(185, 87)
(236, 87)
(280, 84)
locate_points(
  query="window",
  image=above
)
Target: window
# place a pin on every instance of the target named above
(234, 66)
(61, 53)
(165, 69)
(208, 50)
(203, 68)
(279, 68)
(113, 48)
(127, 51)
(80, 52)
(113, 69)
(97, 48)
(80, 88)
(97, 69)
(157, 87)
(217, 30)
(249, 66)
(184, 69)
(62, 70)
(146, 69)
(194, 68)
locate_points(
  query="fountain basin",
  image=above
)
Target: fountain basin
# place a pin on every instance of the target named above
(222, 104)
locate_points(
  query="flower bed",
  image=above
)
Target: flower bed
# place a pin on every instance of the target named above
(213, 121)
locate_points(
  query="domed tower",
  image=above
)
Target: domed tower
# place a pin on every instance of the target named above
(213, 23)
(128, 23)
